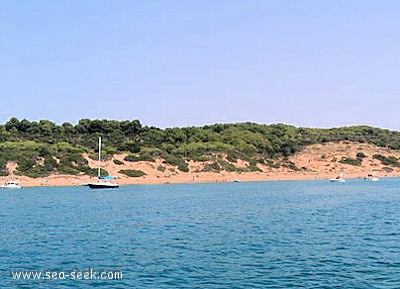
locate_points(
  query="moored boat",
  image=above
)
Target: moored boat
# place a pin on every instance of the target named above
(11, 185)
(371, 178)
(102, 185)
(103, 182)
(338, 179)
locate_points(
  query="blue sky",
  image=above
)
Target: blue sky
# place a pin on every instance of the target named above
(190, 63)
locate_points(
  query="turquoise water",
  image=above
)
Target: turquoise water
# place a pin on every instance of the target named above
(289, 234)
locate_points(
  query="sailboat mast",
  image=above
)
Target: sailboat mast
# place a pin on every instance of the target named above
(98, 172)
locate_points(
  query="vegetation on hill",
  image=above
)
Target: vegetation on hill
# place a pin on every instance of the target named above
(42, 148)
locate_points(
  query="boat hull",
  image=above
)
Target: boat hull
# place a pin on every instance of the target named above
(11, 187)
(102, 186)
(337, 180)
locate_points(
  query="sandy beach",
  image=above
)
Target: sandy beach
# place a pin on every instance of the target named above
(318, 161)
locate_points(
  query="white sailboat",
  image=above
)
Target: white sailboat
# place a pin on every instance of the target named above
(103, 182)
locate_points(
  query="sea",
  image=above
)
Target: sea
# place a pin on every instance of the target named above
(272, 234)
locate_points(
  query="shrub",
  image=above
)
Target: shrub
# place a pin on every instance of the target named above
(117, 162)
(232, 156)
(213, 167)
(133, 173)
(147, 157)
(360, 155)
(252, 167)
(131, 158)
(291, 166)
(3, 168)
(351, 161)
(129, 146)
(93, 172)
(387, 161)
(200, 158)
(272, 164)
(226, 166)
(177, 161)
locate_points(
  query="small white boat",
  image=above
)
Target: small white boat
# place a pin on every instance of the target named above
(338, 179)
(371, 178)
(11, 185)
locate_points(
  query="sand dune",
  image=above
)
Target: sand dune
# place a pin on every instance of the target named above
(320, 161)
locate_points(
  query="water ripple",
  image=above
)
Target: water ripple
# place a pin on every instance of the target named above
(249, 235)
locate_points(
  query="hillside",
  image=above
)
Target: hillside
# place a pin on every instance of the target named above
(220, 152)
(318, 161)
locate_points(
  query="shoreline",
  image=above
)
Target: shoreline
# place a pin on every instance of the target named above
(70, 180)
(315, 162)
